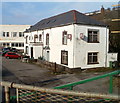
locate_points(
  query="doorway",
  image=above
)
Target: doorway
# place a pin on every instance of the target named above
(48, 54)
(31, 52)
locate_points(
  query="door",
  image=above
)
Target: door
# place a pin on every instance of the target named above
(48, 54)
(31, 52)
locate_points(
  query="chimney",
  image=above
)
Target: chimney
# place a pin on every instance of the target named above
(102, 10)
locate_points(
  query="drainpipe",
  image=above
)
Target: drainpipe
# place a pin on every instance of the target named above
(73, 44)
(43, 41)
(106, 48)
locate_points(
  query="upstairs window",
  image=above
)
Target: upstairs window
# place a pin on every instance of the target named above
(35, 38)
(40, 37)
(26, 39)
(64, 57)
(47, 39)
(14, 34)
(93, 58)
(93, 36)
(20, 34)
(3, 34)
(64, 38)
(7, 34)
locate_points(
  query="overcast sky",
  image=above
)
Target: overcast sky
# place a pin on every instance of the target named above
(32, 12)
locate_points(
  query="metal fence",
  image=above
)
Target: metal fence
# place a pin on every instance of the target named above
(32, 94)
(111, 74)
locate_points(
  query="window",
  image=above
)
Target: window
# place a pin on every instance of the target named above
(64, 38)
(22, 44)
(20, 34)
(12, 44)
(14, 34)
(16, 44)
(93, 58)
(7, 34)
(8, 44)
(47, 39)
(3, 34)
(64, 57)
(93, 36)
(40, 37)
(4, 44)
(26, 39)
(35, 37)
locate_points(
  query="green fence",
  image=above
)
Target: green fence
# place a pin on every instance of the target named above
(111, 74)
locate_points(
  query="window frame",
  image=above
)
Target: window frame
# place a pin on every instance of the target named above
(63, 57)
(20, 34)
(3, 34)
(93, 36)
(47, 39)
(7, 34)
(14, 34)
(40, 37)
(92, 59)
(64, 36)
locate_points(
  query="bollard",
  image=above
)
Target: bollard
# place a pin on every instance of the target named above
(55, 67)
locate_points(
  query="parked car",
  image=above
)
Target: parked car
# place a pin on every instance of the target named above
(4, 52)
(12, 55)
(9, 49)
(14, 50)
(6, 49)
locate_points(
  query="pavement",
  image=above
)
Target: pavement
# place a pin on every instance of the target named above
(14, 70)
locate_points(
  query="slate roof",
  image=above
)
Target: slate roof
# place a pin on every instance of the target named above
(66, 18)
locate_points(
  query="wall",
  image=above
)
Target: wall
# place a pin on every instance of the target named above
(82, 47)
(77, 48)
(55, 44)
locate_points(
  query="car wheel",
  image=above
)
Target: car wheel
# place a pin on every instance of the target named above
(19, 58)
(8, 57)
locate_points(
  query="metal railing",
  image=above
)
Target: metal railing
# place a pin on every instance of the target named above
(32, 94)
(71, 85)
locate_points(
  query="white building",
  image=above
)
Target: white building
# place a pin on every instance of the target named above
(71, 39)
(12, 35)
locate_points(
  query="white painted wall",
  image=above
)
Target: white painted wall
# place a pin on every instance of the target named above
(77, 48)
(56, 44)
(82, 47)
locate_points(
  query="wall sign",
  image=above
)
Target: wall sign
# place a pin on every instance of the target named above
(70, 36)
(81, 36)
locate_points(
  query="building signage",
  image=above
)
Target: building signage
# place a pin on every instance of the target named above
(81, 36)
(70, 36)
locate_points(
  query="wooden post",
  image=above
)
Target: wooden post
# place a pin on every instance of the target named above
(55, 67)
(7, 94)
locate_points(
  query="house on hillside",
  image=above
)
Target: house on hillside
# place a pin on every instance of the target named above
(70, 39)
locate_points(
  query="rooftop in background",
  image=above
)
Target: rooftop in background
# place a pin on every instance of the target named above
(70, 17)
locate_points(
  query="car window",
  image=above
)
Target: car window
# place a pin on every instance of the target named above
(11, 54)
